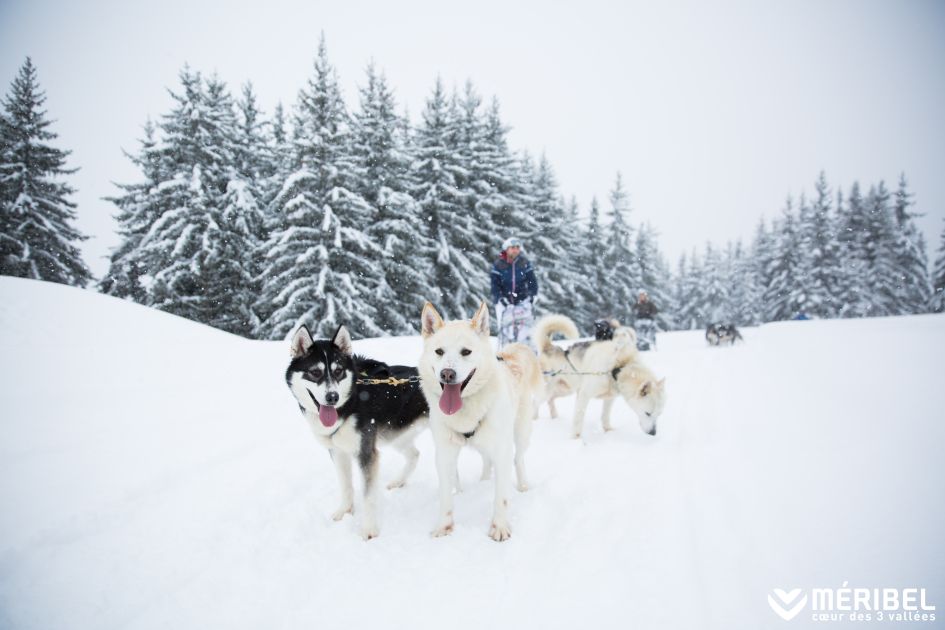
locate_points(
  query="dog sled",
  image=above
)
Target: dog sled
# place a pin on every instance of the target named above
(646, 334)
(515, 323)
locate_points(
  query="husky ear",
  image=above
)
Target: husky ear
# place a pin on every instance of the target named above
(430, 320)
(661, 383)
(342, 340)
(301, 342)
(645, 390)
(480, 321)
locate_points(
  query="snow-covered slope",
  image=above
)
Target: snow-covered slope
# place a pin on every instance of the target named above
(155, 473)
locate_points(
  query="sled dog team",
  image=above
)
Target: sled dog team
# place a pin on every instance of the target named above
(467, 393)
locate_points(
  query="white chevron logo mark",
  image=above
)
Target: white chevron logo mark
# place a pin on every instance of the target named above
(783, 604)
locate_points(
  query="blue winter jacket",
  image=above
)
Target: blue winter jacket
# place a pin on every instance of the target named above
(515, 281)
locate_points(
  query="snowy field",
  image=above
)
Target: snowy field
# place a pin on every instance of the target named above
(156, 473)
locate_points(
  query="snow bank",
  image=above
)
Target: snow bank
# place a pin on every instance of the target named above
(156, 473)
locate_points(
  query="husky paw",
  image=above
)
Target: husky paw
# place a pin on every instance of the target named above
(575, 436)
(369, 531)
(522, 486)
(443, 529)
(397, 483)
(500, 532)
(340, 512)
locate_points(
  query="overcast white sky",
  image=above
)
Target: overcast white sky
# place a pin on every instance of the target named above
(713, 111)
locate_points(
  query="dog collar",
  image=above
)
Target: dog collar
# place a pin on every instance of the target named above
(338, 428)
(473, 432)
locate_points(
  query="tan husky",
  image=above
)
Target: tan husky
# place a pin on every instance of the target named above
(597, 369)
(480, 399)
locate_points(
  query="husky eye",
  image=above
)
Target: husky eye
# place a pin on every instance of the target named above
(315, 373)
(465, 352)
(439, 352)
(338, 371)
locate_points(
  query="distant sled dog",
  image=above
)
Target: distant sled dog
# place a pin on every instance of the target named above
(348, 417)
(717, 334)
(477, 398)
(597, 369)
(604, 329)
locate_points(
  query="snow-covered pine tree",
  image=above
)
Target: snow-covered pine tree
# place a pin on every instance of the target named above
(715, 286)
(678, 295)
(381, 162)
(253, 151)
(549, 245)
(591, 302)
(279, 135)
(194, 247)
(759, 264)
(459, 280)
(321, 265)
(880, 254)
(853, 293)
(280, 152)
(744, 290)
(473, 154)
(37, 236)
(655, 276)
(257, 150)
(937, 301)
(138, 209)
(780, 297)
(821, 251)
(580, 259)
(912, 265)
(242, 224)
(690, 296)
(620, 266)
(520, 221)
(496, 171)
(799, 285)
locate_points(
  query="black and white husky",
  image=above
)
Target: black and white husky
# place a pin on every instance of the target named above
(717, 334)
(348, 415)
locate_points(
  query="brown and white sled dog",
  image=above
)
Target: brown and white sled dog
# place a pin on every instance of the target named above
(477, 398)
(597, 369)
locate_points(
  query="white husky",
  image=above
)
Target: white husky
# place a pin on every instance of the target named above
(478, 398)
(598, 369)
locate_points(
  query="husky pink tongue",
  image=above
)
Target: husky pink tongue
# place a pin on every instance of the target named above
(451, 399)
(328, 415)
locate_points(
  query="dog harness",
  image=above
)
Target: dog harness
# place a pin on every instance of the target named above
(341, 422)
(574, 370)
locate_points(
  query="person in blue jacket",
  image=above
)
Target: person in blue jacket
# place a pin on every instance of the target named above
(514, 292)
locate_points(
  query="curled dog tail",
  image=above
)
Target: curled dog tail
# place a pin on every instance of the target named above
(549, 325)
(523, 364)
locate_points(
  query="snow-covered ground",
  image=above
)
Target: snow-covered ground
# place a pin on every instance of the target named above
(156, 473)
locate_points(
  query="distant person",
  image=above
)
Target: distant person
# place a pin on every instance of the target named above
(514, 291)
(645, 321)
